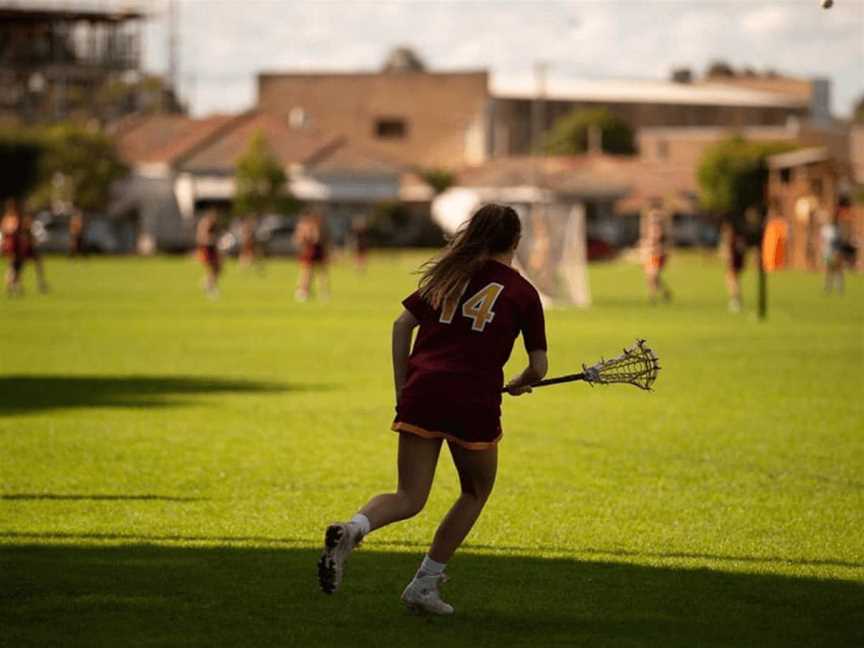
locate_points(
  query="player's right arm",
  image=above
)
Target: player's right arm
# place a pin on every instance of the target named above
(534, 335)
(403, 328)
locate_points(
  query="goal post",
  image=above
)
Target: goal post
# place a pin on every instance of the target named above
(552, 253)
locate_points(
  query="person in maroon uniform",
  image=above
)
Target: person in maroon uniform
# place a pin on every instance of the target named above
(206, 237)
(470, 307)
(30, 250)
(313, 243)
(13, 246)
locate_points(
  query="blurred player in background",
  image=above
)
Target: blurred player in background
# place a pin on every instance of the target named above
(30, 250)
(76, 234)
(312, 241)
(206, 239)
(654, 244)
(733, 250)
(360, 242)
(13, 247)
(470, 307)
(834, 247)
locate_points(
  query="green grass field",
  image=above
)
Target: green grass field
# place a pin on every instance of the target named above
(167, 466)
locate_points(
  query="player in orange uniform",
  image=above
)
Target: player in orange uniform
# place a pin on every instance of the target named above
(470, 307)
(656, 254)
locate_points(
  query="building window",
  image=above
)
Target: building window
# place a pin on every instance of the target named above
(390, 128)
(297, 118)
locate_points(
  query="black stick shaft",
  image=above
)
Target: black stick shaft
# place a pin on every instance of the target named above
(558, 380)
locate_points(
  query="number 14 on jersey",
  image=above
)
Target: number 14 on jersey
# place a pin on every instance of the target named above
(477, 308)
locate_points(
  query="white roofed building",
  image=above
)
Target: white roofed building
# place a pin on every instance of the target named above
(521, 105)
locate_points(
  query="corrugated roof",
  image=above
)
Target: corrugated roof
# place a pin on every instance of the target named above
(631, 181)
(164, 138)
(642, 91)
(289, 145)
(339, 156)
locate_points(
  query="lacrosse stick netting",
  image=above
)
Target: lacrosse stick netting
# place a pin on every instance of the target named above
(638, 366)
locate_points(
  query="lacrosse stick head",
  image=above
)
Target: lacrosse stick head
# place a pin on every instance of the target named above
(637, 366)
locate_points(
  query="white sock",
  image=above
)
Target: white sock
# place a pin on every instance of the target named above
(430, 567)
(362, 523)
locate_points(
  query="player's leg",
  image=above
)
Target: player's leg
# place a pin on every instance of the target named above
(40, 273)
(477, 470)
(324, 281)
(303, 280)
(417, 460)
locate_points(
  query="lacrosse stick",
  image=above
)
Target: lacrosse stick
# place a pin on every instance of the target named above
(638, 366)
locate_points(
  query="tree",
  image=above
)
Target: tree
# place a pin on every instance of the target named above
(720, 70)
(439, 179)
(732, 175)
(570, 135)
(78, 168)
(19, 164)
(403, 59)
(259, 180)
(681, 75)
(858, 111)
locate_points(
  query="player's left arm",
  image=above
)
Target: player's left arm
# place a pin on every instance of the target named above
(403, 328)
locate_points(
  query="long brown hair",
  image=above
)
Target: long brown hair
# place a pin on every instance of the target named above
(493, 229)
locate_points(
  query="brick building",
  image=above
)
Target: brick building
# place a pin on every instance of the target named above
(803, 190)
(425, 119)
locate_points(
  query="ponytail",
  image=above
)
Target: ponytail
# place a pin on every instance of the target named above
(493, 229)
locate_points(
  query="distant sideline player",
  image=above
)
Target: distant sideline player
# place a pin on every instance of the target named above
(470, 306)
(655, 250)
(206, 238)
(13, 246)
(733, 249)
(30, 250)
(313, 242)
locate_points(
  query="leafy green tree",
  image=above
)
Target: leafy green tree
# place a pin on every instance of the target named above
(19, 164)
(78, 168)
(570, 135)
(259, 180)
(732, 175)
(439, 179)
(858, 111)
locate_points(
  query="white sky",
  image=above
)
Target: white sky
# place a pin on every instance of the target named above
(224, 43)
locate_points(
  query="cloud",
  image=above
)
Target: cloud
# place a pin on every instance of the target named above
(767, 21)
(225, 43)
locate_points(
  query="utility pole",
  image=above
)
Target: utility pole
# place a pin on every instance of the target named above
(173, 66)
(538, 123)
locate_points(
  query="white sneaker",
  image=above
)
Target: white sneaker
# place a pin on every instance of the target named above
(422, 595)
(339, 541)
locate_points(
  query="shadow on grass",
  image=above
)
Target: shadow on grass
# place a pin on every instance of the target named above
(152, 595)
(29, 393)
(96, 497)
(55, 536)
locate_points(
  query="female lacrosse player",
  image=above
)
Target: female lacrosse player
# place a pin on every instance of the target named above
(206, 238)
(470, 307)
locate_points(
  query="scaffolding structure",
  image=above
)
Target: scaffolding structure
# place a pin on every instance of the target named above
(59, 62)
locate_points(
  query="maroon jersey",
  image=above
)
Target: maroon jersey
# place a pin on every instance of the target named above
(455, 372)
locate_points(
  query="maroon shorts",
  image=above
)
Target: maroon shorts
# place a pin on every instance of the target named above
(209, 256)
(314, 253)
(472, 424)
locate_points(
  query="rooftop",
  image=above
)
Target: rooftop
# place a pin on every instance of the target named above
(643, 91)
